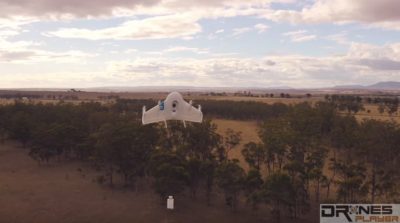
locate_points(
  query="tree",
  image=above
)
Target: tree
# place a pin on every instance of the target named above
(45, 144)
(252, 186)
(343, 138)
(275, 135)
(254, 154)
(377, 146)
(279, 192)
(314, 164)
(170, 173)
(199, 143)
(231, 140)
(21, 127)
(208, 170)
(230, 178)
(125, 147)
(351, 184)
(195, 175)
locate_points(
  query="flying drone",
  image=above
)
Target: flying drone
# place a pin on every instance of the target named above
(174, 107)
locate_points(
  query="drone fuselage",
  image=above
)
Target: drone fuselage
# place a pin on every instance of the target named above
(174, 107)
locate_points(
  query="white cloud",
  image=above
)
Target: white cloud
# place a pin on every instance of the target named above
(68, 7)
(102, 8)
(363, 64)
(28, 52)
(240, 31)
(64, 79)
(15, 22)
(340, 38)
(300, 36)
(382, 13)
(128, 51)
(186, 49)
(158, 27)
(261, 27)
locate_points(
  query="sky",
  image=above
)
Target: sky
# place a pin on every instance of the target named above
(209, 43)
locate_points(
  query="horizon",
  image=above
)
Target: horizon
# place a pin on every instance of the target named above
(304, 44)
(385, 86)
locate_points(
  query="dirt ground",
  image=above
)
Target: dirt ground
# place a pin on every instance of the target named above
(58, 192)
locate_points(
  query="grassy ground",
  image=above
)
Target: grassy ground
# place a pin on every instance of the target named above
(249, 133)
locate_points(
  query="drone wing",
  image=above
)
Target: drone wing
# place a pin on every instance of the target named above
(190, 113)
(153, 115)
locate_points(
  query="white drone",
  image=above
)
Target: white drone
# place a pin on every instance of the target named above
(172, 108)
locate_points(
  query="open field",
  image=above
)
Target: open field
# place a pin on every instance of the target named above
(249, 130)
(374, 114)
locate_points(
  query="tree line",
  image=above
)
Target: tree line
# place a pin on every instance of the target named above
(355, 103)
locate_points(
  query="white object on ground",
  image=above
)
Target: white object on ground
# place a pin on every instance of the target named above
(170, 203)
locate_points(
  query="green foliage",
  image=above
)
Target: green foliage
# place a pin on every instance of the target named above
(389, 104)
(254, 154)
(125, 147)
(169, 172)
(279, 192)
(230, 178)
(351, 182)
(349, 103)
(252, 186)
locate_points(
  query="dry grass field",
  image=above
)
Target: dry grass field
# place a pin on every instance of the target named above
(249, 133)
(374, 114)
(288, 101)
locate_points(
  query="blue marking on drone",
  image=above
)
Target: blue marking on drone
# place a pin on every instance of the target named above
(162, 105)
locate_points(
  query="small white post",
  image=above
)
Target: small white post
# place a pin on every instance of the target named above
(170, 203)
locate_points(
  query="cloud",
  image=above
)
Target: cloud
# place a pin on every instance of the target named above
(30, 56)
(186, 49)
(362, 64)
(67, 7)
(382, 13)
(128, 51)
(45, 79)
(240, 31)
(83, 9)
(28, 52)
(384, 58)
(300, 36)
(15, 22)
(158, 27)
(340, 38)
(261, 27)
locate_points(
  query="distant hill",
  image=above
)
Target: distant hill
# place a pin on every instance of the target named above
(349, 87)
(380, 86)
(388, 85)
